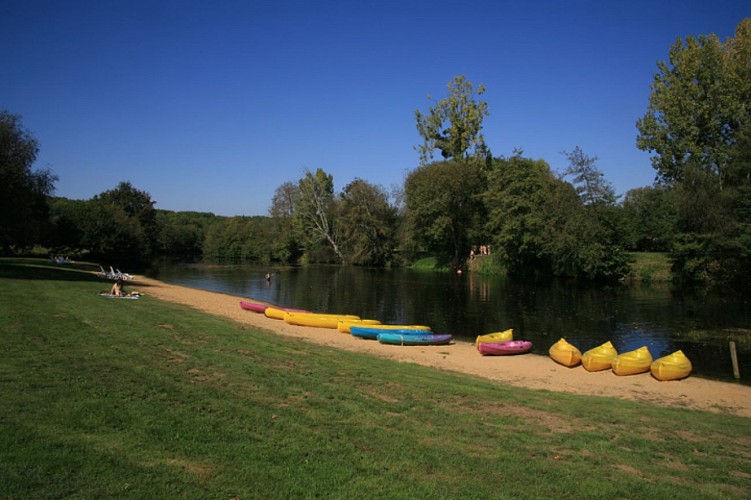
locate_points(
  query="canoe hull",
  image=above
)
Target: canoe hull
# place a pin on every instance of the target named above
(504, 348)
(344, 325)
(372, 332)
(278, 312)
(632, 362)
(599, 358)
(674, 366)
(565, 354)
(414, 339)
(317, 320)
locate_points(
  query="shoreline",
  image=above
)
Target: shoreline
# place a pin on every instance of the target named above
(530, 371)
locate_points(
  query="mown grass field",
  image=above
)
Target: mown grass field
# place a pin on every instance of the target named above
(146, 399)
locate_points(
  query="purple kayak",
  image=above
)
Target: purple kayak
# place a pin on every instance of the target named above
(504, 348)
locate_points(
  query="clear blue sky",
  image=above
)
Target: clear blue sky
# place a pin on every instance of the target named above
(210, 106)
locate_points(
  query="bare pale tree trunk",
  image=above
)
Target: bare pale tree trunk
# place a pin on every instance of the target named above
(317, 216)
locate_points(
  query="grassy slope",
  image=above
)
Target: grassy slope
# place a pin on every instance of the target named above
(650, 267)
(144, 399)
(646, 267)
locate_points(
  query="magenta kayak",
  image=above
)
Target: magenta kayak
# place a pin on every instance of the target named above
(504, 348)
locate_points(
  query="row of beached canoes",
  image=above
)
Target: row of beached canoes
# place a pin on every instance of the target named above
(674, 366)
(371, 329)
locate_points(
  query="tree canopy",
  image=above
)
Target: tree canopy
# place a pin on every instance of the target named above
(589, 181)
(453, 125)
(697, 125)
(698, 105)
(23, 191)
(120, 224)
(444, 206)
(315, 210)
(368, 224)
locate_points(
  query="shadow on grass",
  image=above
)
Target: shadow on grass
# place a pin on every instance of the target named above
(37, 269)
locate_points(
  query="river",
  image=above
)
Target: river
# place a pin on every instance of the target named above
(468, 305)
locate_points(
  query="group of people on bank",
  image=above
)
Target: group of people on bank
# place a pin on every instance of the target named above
(483, 250)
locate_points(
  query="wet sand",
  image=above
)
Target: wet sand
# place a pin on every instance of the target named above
(529, 370)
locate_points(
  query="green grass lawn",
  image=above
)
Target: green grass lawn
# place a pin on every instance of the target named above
(650, 267)
(147, 399)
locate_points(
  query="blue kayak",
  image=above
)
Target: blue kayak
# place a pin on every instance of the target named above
(414, 339)
(367, 332)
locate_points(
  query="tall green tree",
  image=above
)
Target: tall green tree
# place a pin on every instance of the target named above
(67, 219)
(23, 191)
(540, 225)
(444, 209)
(518, 189)
(288, 239)
(590, 183)
(120, 225)
(368, 224)
(652, 218)
(453, 125)
(316, 212)
(284, 201)
(697, 127)
(699, 102)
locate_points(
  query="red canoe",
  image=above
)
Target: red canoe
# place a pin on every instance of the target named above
(504, 348)
(253, 306)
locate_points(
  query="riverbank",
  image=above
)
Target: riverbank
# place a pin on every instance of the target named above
(529, 371)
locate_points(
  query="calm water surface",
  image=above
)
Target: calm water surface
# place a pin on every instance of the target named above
(470, 305)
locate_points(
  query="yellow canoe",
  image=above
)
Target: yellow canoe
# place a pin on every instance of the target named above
(504, 336)
(564, 353)
(674, 366)
(632, 362)
(278, 312)
(317, 320)
(344, 324)
(599, 358)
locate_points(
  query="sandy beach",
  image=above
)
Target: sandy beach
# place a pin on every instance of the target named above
(530, 371)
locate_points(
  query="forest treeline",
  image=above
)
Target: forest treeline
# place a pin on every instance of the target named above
(534, 220)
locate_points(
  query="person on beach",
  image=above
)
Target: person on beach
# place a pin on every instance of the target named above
(117, 288)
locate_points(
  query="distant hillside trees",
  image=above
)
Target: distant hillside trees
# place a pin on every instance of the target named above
(23, 191)
(182, 234)
(240, 239)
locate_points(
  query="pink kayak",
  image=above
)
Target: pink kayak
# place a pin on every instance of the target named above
(504, 348)
(253, 306)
